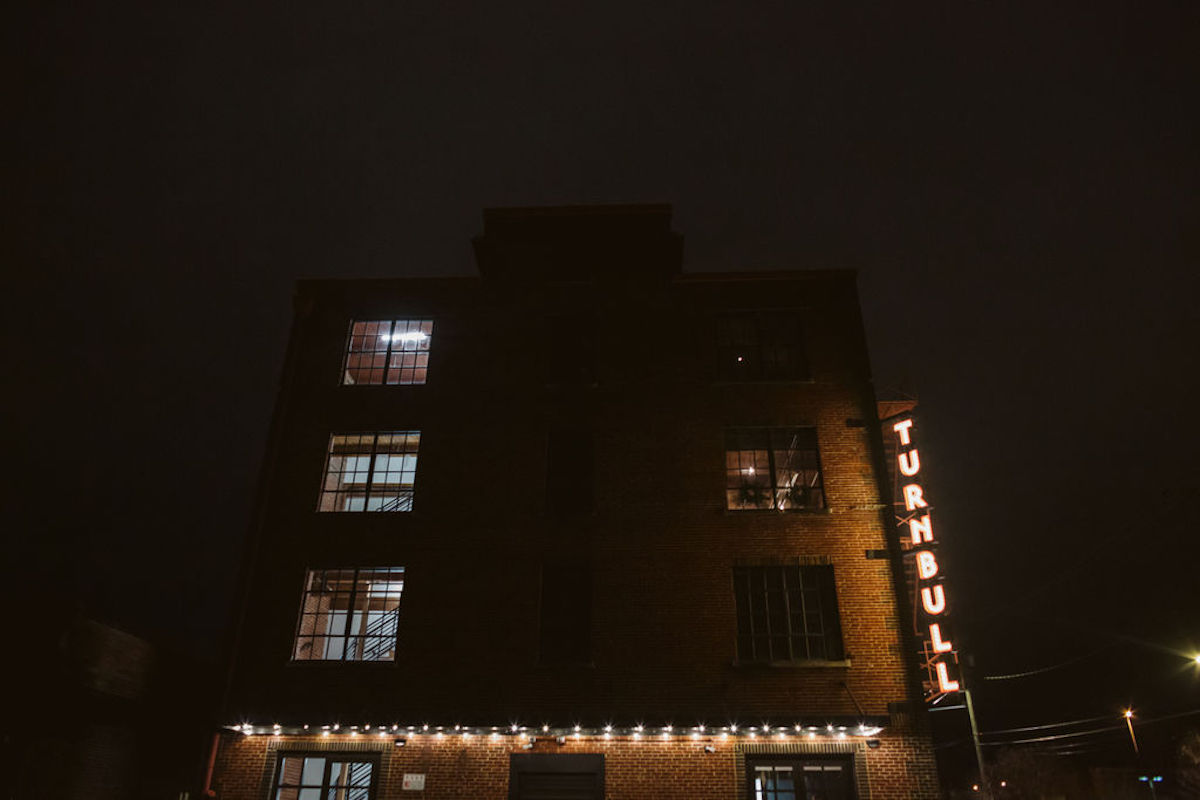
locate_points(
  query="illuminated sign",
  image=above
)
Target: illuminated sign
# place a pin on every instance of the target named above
(914, 518)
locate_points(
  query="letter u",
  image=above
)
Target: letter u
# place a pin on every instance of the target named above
(933, 599)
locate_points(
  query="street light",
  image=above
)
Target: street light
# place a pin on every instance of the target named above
(1150, 781)
(1129, 722)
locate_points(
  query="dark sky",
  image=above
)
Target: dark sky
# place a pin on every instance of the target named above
(1017, 186)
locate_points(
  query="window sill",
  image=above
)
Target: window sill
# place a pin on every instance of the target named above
(766, 666)
(826, 511)
(764, 382)
(328, 663)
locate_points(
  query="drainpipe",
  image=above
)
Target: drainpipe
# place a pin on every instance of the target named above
(212, 763)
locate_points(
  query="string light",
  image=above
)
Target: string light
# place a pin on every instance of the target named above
(577, 730)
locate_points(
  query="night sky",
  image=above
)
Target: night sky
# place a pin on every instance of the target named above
(1016, 186)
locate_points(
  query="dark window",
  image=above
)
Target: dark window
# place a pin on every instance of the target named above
(787, 613)
(370, 471)
(566, 613)
(772, 468)
(387, 351)
(325, 776)
(808, 779)
(349, 615)
(761, 346)
(570, 350)
(570, 471)
(545, 776)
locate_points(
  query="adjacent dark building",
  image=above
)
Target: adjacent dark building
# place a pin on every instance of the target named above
(584, 526)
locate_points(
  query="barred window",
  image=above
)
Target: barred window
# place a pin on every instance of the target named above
(761, 346)
(387, 352)
(317, 776)
(787, 613)
(773, 468)
(370, 471)
(349, 614)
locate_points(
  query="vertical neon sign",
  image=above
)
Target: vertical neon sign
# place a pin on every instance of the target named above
(939, 658)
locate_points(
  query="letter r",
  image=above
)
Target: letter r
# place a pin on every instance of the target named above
(913, 497)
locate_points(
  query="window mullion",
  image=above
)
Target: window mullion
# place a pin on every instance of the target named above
(771, 466)
(750, 612)
(766, 601)
(349, 617)
(371, 462)
(387, 356)
(787, 616)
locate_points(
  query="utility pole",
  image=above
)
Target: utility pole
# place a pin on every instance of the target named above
(984, 789)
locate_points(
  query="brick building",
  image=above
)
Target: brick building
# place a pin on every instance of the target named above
(585, 526)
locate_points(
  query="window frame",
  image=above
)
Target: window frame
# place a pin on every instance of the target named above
(800, 763)
(823, 580)
(411, 324)
(331, 757)
(774, 487)
(347, 636)
(762, 339)
(403, 500)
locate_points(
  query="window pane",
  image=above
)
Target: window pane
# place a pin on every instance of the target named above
(314, 771)
(772, 468)
(761, 345)
(785, 613)
(387, 351)
(351, 615)
(290, 770)
(370, 472)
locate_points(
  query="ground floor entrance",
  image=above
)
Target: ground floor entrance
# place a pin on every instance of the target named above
(539, 776)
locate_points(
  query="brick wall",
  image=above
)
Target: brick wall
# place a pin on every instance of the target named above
(899, 769)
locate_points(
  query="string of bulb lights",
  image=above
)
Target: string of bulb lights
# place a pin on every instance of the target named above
(635, 733)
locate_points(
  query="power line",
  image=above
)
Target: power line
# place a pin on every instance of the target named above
(1040, 670)
(1052, 737)
(1047, 725)
(1074, 734)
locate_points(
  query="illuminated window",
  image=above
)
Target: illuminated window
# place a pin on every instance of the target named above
(761, 346)
(387, 352)
(321, 776)
(787, 613)
(772, 468)
(349, 615)
(780, 779)
(370, 471)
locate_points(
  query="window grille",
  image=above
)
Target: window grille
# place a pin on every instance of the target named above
(761, 346)
(317, 776)
(349, 614)
(787, 613)
(775, 468)
(387, 352)
(828, 779)
(370, 471)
